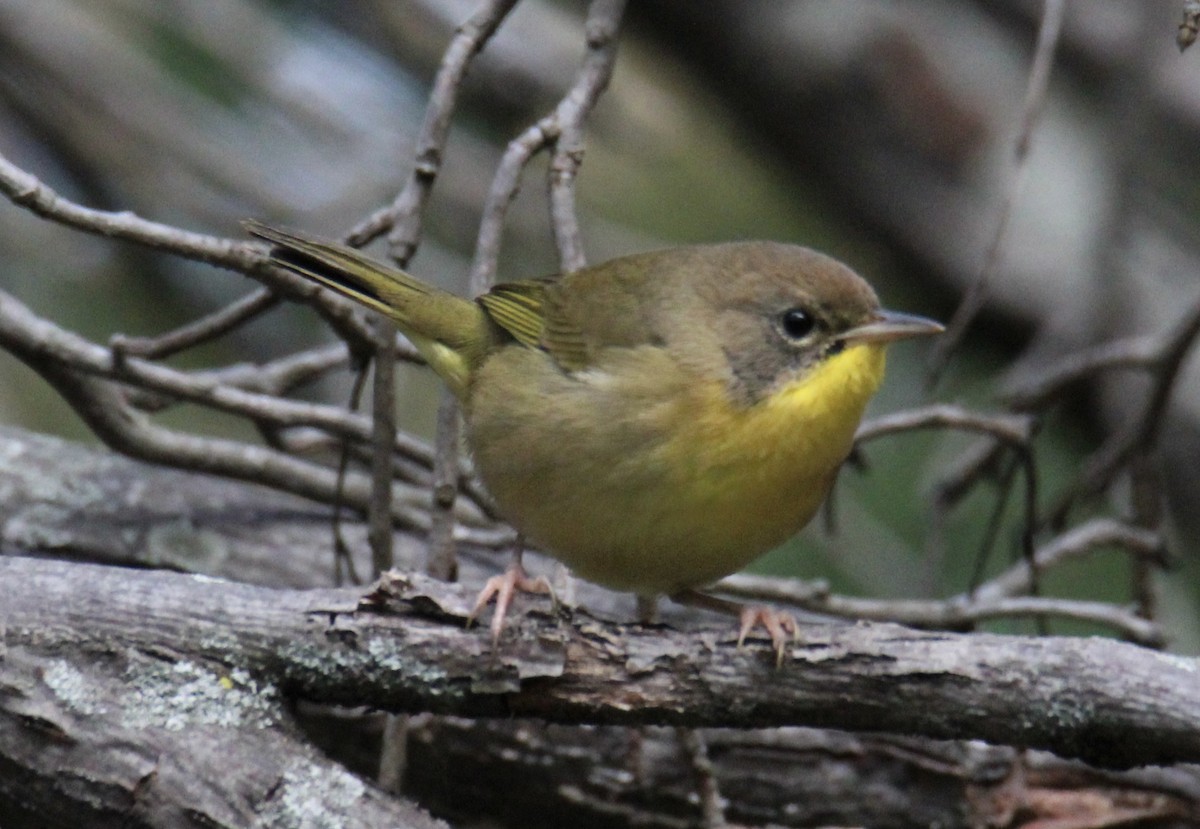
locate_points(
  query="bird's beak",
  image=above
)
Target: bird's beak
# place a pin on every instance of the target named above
(889, 326)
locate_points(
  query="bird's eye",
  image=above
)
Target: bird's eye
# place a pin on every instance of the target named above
(797, 323)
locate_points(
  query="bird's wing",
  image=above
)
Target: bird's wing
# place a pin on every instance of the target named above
(527, 311)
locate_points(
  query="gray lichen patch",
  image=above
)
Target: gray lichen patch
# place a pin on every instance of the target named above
(312, 797)
(185, 694)
(73, 689)
(376, 656)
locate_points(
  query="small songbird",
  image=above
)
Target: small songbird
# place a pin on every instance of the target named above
(655, 422)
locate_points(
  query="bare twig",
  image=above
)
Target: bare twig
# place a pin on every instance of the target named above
(99, 404)
(602, 25)
(283, 375)
(1160, 356)
(277, 377)
(505, 185)
(51, 350)
(604, 18)
(469, 39)
(1012, 429)
(1035, 97)
(440, 557)
(1001, 597)
(712, 807)
(198, 331)
(24, 332)
(383, 439)
(404, 216)
(1035, 391)
(25, 190)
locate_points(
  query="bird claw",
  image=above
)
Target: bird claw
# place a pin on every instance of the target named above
(502, 588)
(777, 623)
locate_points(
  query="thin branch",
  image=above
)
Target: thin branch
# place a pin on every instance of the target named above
(281, 376)
(468, 40)
(1012, 429)
(198, 331)
(602, 24)
(604, 18)
(1162, 357)
(59, 355)
(39, 340)
(99, 404)
(1036, 390)
(383, 439)
(712, 807)
(1035, 98)
(404, 216)
(505, 185)
(1001, 597)
(1099, 532)
(25, 190)
(441, 557)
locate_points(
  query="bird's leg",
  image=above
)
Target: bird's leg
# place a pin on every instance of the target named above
(504, 586)
(647, 608)
(777, 623)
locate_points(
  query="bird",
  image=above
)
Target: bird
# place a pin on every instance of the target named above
(654, 422)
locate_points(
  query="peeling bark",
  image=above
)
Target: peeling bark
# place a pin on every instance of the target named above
(150, 698)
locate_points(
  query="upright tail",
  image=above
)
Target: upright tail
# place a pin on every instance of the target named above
(453, 334)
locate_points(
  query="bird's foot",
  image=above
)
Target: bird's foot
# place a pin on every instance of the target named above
(778, 624)
(502, 588)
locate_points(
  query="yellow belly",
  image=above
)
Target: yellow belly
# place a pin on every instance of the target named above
(642, 478)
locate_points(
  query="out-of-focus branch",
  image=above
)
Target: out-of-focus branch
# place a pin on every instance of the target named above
(25, 190)
(1014, 429)
(505, 184)
(1160, 356)
(1001, 597)
(278, 377)
(1031, 108)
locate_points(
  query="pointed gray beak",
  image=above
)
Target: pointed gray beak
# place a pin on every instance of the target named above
(889, 326)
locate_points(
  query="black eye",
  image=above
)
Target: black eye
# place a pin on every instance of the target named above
(797, 323)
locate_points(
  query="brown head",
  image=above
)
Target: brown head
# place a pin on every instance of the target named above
(755, 314)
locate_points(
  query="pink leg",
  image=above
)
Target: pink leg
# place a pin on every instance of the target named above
(502, 588)
(778, 624)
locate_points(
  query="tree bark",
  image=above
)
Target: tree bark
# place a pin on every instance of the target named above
(404, 648)
(136, 692)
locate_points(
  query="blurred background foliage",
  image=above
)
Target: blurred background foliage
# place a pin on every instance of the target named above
(881, 131)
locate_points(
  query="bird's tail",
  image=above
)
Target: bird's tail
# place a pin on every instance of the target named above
(452, 333)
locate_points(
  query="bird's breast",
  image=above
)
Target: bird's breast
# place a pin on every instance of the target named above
(644, 478)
